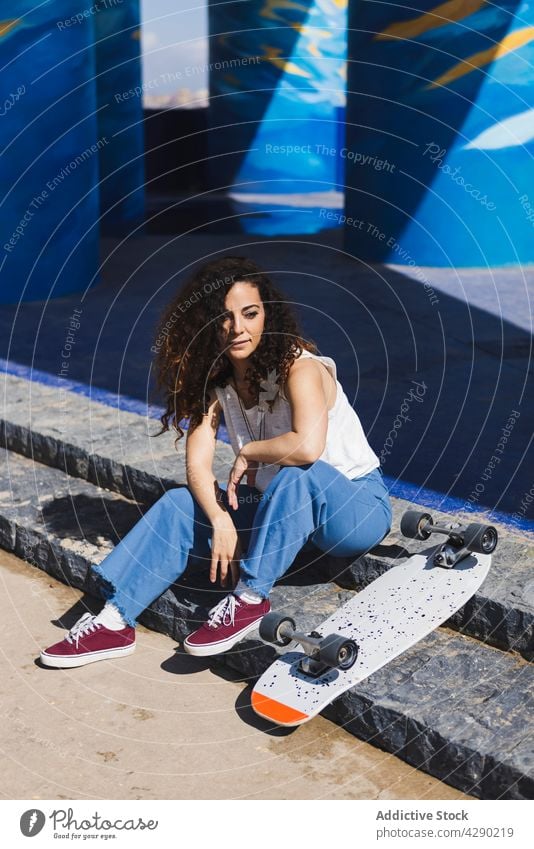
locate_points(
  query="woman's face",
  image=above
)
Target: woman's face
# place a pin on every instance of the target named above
(243, 321)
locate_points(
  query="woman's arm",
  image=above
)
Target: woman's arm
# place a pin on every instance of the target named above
(199, 452)
(306, 440)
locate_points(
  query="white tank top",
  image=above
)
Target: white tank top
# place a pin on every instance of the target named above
(346, 447)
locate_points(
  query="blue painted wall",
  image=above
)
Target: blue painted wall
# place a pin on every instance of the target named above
(49, 165)
(120, 115)
(71, 138)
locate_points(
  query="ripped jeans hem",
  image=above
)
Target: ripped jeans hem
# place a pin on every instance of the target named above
(109, 593)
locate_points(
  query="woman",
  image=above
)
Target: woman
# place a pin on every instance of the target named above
(229, 343)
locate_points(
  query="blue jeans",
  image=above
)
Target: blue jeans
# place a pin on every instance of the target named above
(313, 503)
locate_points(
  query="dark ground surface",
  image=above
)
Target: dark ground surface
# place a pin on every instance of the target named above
(467, 341)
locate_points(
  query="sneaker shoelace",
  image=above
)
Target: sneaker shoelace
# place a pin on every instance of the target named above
(83, 626)
(224, 612)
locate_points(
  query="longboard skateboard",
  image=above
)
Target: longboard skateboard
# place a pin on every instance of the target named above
(383, 620)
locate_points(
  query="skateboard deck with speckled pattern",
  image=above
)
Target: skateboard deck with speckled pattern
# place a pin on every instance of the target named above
(387, 617)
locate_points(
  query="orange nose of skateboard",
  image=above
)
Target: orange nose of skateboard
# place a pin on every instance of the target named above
(278, 712)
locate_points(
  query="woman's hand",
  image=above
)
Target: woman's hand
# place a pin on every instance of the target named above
(241, 467)
(225, 551)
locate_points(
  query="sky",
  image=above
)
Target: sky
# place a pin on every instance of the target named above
(175, 37)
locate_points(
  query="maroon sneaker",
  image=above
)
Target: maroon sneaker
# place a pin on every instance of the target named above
(88, 641)
(228, 622)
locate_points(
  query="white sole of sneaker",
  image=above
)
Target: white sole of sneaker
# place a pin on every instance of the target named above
(70, 661)
(222, 646)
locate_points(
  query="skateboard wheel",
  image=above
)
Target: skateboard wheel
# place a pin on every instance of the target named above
(481, 539)
(413, 523)
(272, 629)
(338, 652)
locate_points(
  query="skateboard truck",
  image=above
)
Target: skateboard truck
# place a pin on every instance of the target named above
(322, 653)
(461, 540)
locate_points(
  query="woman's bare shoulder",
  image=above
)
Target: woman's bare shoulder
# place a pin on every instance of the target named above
(310, 365)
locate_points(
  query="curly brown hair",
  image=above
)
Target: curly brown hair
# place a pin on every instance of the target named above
(190, 359)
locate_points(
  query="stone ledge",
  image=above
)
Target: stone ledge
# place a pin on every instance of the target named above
(109, 447)
(456, 710)
(112, 448)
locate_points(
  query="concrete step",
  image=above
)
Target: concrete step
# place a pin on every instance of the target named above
(106, 445)
(113, 448)
(450, 706)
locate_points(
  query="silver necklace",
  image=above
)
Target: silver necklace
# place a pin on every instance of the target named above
(262, 422)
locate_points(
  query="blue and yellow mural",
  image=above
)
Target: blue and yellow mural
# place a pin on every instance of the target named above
(277, 97)
(62, 162)
(443, 93)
